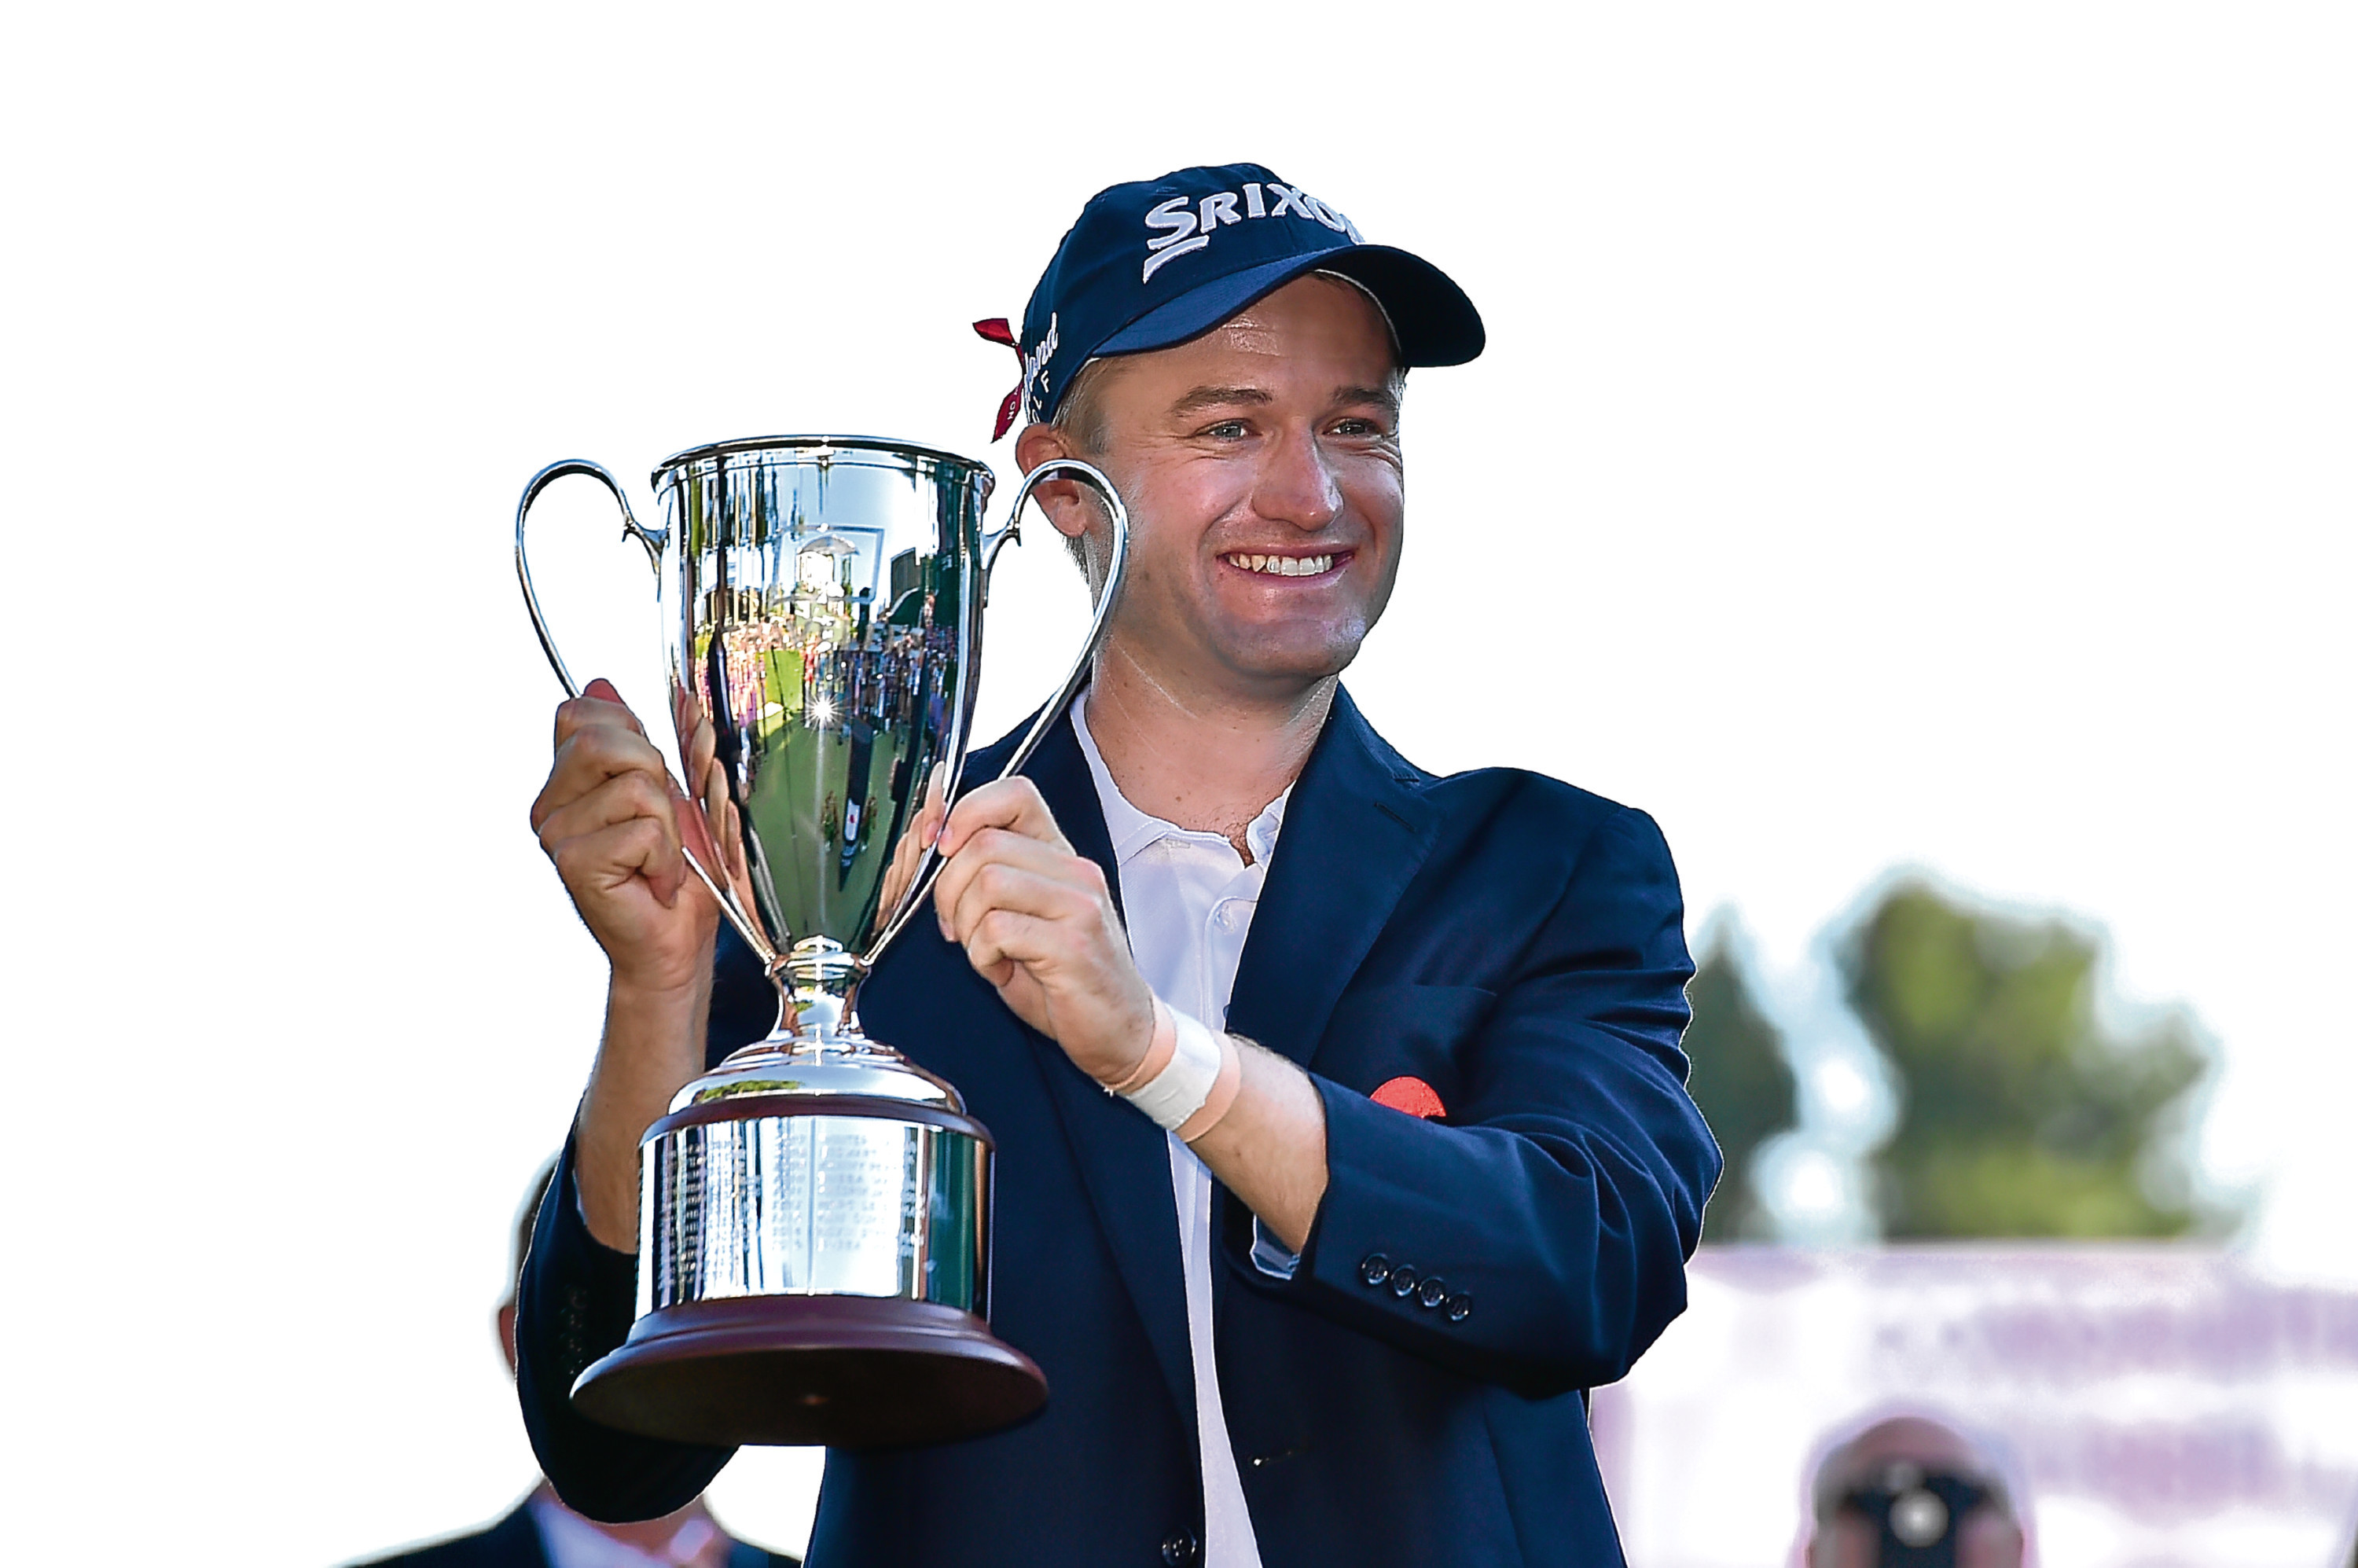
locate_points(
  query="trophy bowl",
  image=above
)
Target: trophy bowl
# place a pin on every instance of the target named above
(813, 1260)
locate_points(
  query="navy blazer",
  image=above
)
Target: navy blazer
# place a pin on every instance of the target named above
(1512, 941)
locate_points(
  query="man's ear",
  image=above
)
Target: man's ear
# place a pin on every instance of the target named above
(1068, 507)
(505, 1319)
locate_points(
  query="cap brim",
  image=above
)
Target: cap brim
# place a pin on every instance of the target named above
(1433, 321)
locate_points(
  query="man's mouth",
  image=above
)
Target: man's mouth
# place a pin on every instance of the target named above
(1284, 566)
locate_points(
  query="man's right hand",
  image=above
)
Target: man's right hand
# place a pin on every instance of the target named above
(610, 820)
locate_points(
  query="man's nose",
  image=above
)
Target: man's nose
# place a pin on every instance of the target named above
(1296, 484)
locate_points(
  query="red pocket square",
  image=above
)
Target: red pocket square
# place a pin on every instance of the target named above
(1413, 1096)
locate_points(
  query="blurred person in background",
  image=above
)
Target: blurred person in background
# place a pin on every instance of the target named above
(542, 1532)
(1909, 1492)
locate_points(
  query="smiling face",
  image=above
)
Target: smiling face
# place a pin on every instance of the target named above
(1261, 466)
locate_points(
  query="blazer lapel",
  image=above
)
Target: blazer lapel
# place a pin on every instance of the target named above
(1355, 837)
(1124, 1158)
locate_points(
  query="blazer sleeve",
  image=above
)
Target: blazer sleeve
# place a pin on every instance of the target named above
(574, 1304)
(576, 1300)
(1545, 1225)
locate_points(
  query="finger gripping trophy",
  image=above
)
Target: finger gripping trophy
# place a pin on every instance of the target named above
(814, 1213)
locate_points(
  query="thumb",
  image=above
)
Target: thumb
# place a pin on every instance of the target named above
(936, 809)
(602, 690)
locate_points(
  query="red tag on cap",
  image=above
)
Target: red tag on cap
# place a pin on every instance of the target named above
(997, 331)
(1413, 1096)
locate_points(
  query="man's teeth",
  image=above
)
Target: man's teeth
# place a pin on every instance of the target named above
(1285, 565)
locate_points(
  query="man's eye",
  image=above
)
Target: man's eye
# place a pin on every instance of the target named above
(1227, 429)
(1358, 427)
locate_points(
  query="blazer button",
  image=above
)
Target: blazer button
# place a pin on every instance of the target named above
(1375, 1268)
(1461, 1307)
(1431, 1294)
(1403, 1281)
(1179, 1550)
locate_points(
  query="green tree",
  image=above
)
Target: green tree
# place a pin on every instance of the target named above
(1740, 1082)
(2020, 1115)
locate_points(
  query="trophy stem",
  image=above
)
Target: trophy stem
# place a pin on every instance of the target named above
(816, 980)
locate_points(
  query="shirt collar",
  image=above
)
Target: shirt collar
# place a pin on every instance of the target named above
(570, 1541)
(1133, 830)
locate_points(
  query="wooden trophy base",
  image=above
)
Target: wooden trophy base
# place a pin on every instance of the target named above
(837, 1371)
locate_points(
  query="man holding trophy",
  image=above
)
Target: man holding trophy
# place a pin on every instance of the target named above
(1341, 1141)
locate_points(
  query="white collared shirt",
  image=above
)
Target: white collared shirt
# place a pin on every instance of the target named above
(570, 1541)
(1187, 898)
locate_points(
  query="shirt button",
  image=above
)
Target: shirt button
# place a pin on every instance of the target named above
(1375, 1268)
(1461, 1307)
(1179, 1550)
(1403, 1281)
(1433, 1292)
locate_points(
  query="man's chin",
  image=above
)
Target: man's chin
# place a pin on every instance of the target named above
(1277, 667)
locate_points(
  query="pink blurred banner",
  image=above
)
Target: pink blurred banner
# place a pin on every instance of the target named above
(2152, 1405)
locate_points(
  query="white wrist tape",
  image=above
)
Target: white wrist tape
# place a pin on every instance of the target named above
(1179, 1089)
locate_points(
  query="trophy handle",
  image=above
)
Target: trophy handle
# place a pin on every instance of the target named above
(694, 831)
(649, 540)
(1074, 468)
(1055, 468)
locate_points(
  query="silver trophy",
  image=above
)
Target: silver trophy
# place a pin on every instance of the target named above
(815, 1214)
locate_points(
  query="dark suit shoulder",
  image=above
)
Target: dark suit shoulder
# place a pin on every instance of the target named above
(512, 1543)
(1541, 795)
(1514, 810)
(1537, 798)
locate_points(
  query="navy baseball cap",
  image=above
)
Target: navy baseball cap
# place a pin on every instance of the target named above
(1158, 262)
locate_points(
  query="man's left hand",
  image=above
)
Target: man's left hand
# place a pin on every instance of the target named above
(1037, 922)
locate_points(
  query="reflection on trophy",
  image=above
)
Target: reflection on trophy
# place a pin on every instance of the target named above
(815, 1214)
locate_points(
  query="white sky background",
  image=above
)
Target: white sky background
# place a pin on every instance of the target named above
(1908, 437)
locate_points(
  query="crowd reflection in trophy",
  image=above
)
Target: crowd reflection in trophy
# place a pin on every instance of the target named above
(819, 658)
